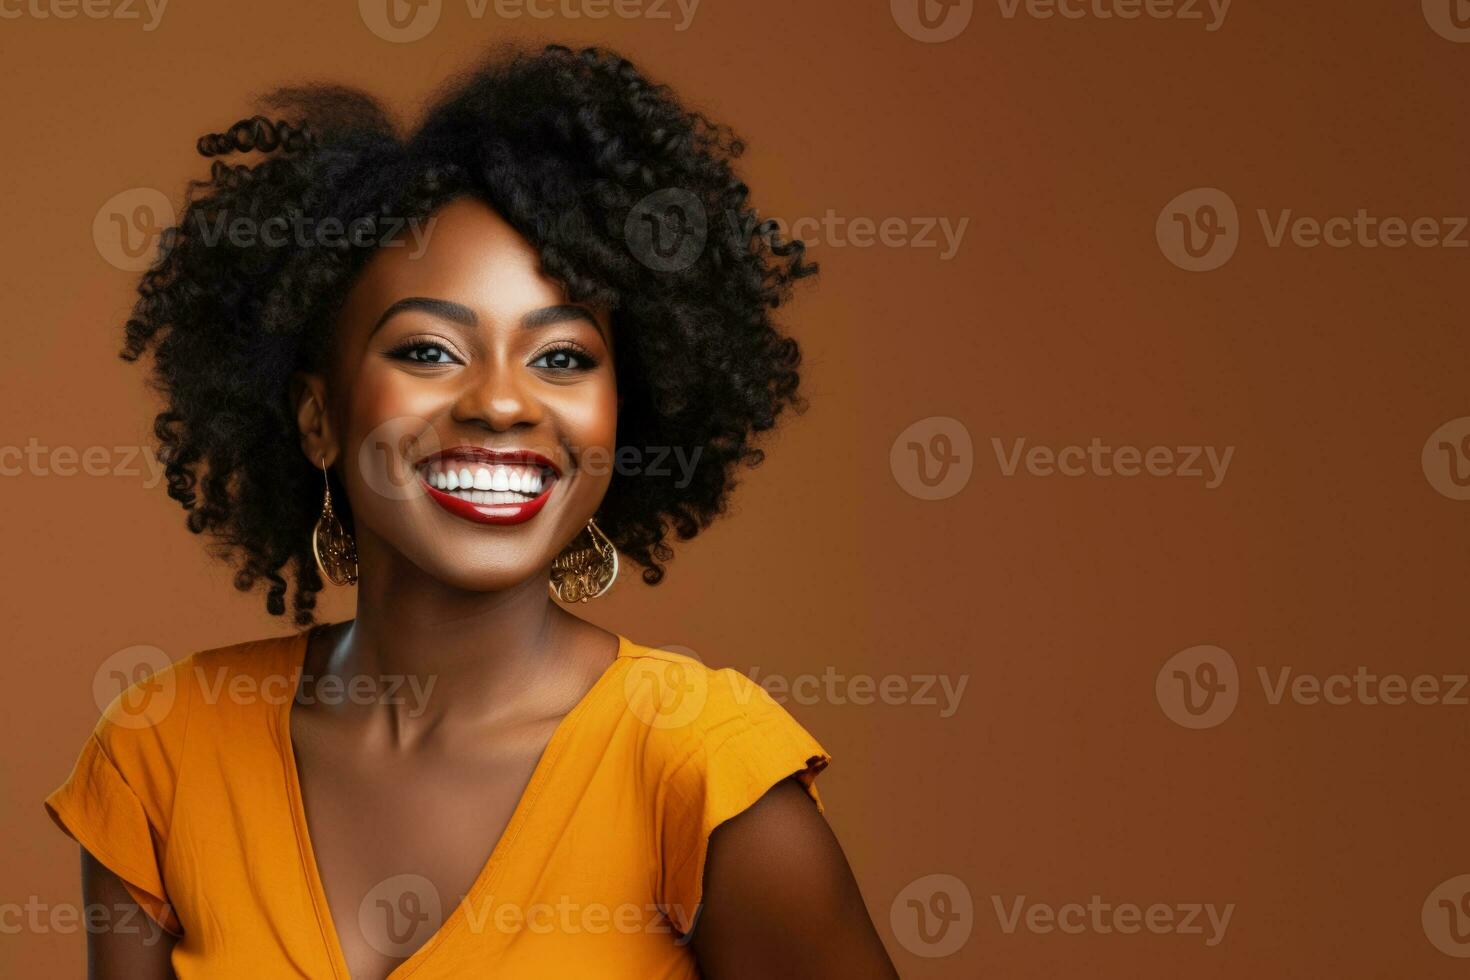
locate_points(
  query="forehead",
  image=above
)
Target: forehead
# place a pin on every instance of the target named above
(464, 252)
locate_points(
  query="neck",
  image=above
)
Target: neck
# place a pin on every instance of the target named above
(487, 657)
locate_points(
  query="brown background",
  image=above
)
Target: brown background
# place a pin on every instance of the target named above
(1059, 320)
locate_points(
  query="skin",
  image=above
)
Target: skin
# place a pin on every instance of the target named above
(467, 605)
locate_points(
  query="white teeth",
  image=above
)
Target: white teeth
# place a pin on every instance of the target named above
(488, 484)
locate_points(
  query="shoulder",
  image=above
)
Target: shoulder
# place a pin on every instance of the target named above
(136, 753)
(719, 743)
(160, 702)
(696, 711)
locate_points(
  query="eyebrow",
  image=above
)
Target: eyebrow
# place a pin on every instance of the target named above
(464, 316)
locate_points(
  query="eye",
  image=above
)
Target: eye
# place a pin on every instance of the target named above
(565, 358)
(423, 352)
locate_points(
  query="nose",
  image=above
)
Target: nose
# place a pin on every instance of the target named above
(498, 398)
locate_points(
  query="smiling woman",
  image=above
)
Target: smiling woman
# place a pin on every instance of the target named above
(434, 425)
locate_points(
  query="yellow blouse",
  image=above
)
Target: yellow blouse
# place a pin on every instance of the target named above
(187, 789)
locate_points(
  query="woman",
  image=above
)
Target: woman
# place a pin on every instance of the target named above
(508, 350)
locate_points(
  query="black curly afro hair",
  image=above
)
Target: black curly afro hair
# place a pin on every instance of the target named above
(564, 145)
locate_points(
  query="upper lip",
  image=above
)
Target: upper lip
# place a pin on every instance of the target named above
(480, 454)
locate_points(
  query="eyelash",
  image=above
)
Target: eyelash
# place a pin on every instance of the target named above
(403, 351)
(576, 350)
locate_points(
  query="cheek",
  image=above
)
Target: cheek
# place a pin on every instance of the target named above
(379, 396)
(588, 417)
(388, 424)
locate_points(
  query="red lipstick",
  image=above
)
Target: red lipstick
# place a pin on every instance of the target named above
(475, 457)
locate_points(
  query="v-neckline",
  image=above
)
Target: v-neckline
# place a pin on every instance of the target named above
(488, 872)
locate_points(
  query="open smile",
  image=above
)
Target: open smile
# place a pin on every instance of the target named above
(489, 486)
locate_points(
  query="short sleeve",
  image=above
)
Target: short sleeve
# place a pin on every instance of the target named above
(742, 744)
(117, 800)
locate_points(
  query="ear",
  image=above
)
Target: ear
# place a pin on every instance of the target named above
(309, 396)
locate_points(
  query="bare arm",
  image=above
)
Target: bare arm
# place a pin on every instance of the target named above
(125, 943)
(780, 900)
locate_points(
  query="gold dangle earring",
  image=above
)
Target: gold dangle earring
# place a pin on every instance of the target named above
(586, 568)
(335, 551)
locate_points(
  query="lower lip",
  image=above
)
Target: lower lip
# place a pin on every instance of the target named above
(490, 513)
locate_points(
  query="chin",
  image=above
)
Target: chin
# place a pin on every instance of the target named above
(470, 572)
